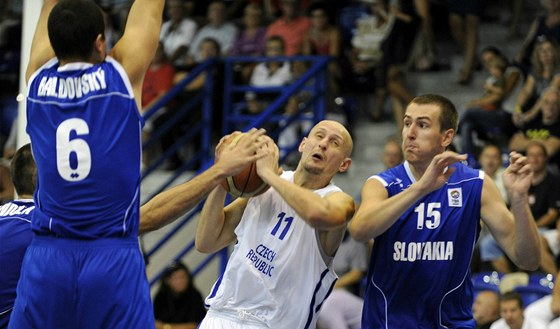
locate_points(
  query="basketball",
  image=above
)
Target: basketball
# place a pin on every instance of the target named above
(247, 182)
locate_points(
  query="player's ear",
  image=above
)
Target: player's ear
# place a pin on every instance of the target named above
(448, 136)
(345, 165)
(302, 144)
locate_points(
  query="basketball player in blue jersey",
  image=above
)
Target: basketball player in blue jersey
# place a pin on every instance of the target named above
(424, 216)
(84, 268)
(280, 270)
(15, 228)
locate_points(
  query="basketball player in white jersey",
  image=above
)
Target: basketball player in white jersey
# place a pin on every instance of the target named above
(280, 270)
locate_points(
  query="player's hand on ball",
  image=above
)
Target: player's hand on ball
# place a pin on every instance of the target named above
(237, 150)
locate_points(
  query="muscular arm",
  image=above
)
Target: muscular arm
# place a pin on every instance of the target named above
(377, 212)
(515, 231)
(139, 42)
(230, 159)
(216, 225)
(41, 50)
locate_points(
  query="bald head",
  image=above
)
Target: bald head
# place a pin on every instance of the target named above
(486, 307)
(340, 130)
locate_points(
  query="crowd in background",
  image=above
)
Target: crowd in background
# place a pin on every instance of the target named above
(518, 107)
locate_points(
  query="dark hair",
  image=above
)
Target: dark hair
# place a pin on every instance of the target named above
(512, 295)
(448, 116)
(172, 268)
(24, 171)
(215, 43)
(73, 26)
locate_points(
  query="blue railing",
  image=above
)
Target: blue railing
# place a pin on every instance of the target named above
(313, 81)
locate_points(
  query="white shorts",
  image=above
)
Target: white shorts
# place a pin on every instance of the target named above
(230, 320)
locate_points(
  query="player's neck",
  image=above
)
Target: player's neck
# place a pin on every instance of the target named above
(309, 180)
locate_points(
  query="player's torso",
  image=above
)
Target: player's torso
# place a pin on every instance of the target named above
(277, 271)
(421, 264)
(85, 132)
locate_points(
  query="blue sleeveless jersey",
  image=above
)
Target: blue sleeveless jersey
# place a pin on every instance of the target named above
(85, 132)
(420, 267)
(15, 237)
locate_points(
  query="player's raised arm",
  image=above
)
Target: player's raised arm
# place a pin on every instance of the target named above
(139, 42)
(41, 50)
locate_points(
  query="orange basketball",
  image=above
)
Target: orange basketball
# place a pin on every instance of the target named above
(247, 182)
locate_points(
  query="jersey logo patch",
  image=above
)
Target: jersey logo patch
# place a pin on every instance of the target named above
(455, 197)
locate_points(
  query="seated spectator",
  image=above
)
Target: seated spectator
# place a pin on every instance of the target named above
(485, 115)
(362, 67)
(157, 82)
(541, 123)
(217, 28)
(343, 308)
(544, 71)
(513, 75)
(546, 24)
(547, 309)
(208, 48)
(177, 33)
(324, 39)
(486, 308)
(251, 39)
(511, 311)
(177, 303)
(544, 202)
(392, 153)
(291, 27)
(268, 74)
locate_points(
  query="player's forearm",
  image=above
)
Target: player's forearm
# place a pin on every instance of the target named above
(374, 218)
(167, 206)
(211, 223)
(317, 211)
(526, 241)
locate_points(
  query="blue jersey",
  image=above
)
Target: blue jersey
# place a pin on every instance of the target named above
(85, 132)
(15, 234)
(420, 267)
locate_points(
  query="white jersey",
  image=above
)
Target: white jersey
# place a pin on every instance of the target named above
(278, 274)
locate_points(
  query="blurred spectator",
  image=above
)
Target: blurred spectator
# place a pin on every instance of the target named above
(157, 82)
(250, 41)
(324, 39)
(217, 28)
(268, 74)
(464, 16)
(511, 311)
(177, 33)
(291, 27)
(159, 78)
(177, 303)
(485, 115)
(362, 68)
(547, 309)
(486, 308)
(513, 75)
(545, 25)
(392, 153)
(409, 17)
(544, 70)
(544, 202)
(541, 123)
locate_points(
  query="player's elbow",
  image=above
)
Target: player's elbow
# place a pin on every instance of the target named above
(202, 247)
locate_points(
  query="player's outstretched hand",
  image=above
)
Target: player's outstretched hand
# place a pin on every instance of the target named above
(438, 172)
(237, 150)
(518, 175)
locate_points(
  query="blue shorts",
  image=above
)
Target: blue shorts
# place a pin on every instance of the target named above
(83, 284)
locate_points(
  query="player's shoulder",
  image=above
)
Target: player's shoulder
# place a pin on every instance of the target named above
(464, 172)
